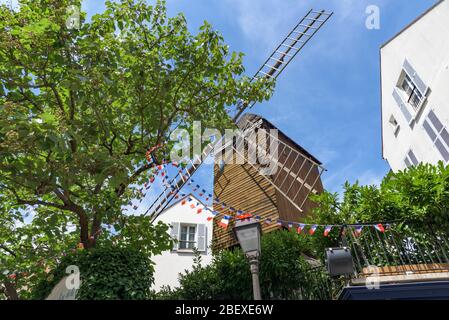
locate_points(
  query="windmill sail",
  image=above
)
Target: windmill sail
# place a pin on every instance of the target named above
(298, 37)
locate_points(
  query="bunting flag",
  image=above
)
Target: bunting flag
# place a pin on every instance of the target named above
(379, 227)
(327, 230)
(358, 231)
(224, 222)
(233, 212)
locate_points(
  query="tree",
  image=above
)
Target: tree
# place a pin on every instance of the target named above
(418, 195)
(29, 250)
(80, 107)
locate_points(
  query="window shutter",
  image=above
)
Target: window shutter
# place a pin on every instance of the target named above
(202, 237)
(402, 106)
(175, 234)
(415, 77)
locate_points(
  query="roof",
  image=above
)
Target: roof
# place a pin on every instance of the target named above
(413, 22)
(255, 117)
(173, 203)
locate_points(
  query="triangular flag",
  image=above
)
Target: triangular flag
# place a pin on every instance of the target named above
(300, 227)
(379, 227)
(192, 206)
(358, 231)
(209, 218)
(224, 222)
(199, 211)
(279, 223)
(327, 230)
(312, 229)
(183, 202)
(268, 221)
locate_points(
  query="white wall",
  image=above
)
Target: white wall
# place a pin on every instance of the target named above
(170, 263)
(425, 44)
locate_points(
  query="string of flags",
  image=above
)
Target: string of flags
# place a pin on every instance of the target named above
(236, 214)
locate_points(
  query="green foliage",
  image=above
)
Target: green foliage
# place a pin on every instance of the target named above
(106, 274)
(80, 107)
(282, 272)
(418, 194)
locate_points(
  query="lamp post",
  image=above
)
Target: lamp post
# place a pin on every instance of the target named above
(248, 235)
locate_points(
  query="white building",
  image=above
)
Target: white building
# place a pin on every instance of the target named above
(191, 230)
(415, 91)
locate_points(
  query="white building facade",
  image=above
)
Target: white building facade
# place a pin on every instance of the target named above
(415, 91)
(191, 230)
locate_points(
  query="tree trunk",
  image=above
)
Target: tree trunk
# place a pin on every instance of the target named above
(10, 290)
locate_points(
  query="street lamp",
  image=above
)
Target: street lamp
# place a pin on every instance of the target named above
(248, 235)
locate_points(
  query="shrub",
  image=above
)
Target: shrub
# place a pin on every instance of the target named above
(105, 273)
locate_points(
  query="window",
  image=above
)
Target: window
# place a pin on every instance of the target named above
(410, 159)
(438, 134)
(410, 93)
(187, 237)
(394, 125)
(413, 96)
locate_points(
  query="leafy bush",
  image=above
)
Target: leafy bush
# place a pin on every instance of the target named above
(106, 274)
(282, 270)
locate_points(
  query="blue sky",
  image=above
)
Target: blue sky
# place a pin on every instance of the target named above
(328, 99)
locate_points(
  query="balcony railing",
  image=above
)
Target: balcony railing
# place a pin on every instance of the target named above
(403, 252)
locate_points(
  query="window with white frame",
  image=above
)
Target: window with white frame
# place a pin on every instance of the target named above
(410, 93)
(410, 159)
(413, 96)
(187, 237)
(438, 133)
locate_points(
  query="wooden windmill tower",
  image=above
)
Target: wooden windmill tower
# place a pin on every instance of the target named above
(282, 195)
(278, 194)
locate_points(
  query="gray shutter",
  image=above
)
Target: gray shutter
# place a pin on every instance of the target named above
(402, 106)
(415, 77)
(175, 234)
(202, 238)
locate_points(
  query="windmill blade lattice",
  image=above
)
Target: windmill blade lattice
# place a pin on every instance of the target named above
(291, 45)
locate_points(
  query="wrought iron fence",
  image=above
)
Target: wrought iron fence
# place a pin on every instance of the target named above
(401, 246)
(399, 249)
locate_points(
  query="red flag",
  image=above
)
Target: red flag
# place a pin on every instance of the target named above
(209, 218)
(192, 206)
(183, 202)
(300, 227)
(199, 210)
(327, 230)
(312, 229)
(379, 227)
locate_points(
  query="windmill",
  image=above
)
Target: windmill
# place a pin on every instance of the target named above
(306, 175)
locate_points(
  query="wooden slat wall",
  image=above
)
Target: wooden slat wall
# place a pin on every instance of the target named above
(241, 187)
